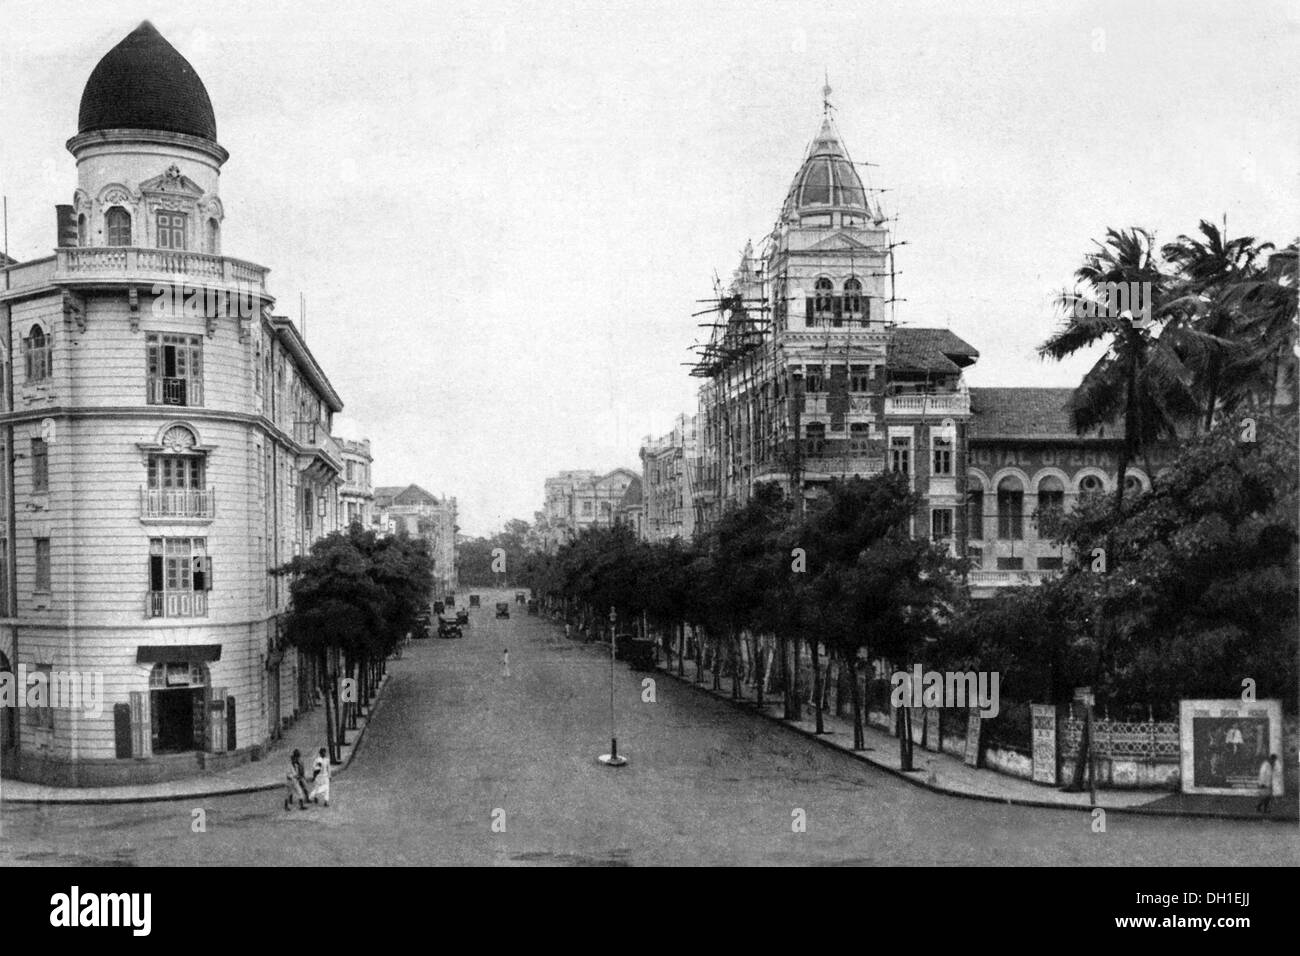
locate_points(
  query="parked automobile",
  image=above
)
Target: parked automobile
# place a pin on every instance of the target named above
(532, 606)
(438, 607)
(448, 628)
(462, 617)
(450, 600)
(519, 597)
(423, 624)
(640, 653)
(503, 609)
(473, 600)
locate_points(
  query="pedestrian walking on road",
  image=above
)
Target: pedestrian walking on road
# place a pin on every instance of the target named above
(505, 662)
(320, 775)
(295, 785)
(1266, 771)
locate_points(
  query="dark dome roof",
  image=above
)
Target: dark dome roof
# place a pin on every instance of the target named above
(144, 83)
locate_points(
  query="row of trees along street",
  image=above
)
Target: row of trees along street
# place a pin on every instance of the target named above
(355, 597)
(1197, 587)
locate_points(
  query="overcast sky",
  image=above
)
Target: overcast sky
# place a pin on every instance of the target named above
(502, 215)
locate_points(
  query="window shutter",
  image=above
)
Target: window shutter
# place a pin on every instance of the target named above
(122, 730)
(808, 312)
(207, 573)
(142, 730)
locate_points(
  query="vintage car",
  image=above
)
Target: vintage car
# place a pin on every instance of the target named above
(503, 609)
(519, 597)
(532, 606)
(438, 607)
(473, 600)
(462, 617)
(448, 628)
(450, 600)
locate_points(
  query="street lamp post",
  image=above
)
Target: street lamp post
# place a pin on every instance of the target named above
(612, 759)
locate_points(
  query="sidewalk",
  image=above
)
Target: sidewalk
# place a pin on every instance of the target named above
(307, 735)
(944, 773)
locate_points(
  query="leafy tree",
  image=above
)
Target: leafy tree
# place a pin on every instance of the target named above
(359, 595)
(879, 591)
(1201, 572)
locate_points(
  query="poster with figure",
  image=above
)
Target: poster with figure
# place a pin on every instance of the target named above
(1224, 742)
(1043, 717)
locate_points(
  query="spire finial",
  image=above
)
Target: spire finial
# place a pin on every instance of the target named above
(826, 95)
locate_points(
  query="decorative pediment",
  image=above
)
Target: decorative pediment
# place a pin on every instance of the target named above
(843, 241)
(171, 182)
(117, 194)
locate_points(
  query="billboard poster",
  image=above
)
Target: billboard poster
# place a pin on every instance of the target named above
(1224, 742)
(1043, 717)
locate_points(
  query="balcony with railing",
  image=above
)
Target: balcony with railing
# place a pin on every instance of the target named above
(321, 450)
(942, 403)
(1017, 578)
(171, 390)
(176, 604)
(189, 503)
(100, 264)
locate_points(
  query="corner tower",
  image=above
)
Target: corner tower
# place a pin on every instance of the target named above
(148, 160)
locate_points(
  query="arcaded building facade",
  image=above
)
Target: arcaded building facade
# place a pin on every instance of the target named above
(166, 445)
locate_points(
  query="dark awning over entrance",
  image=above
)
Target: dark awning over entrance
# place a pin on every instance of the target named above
(178, 654)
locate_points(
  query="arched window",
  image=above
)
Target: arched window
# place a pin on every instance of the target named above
(975, 511)
(1090, 486)
(1011, 508)
(214, 237)
(822, 300)
(853, 298)
(117, 223)
(307, 508)
(1133, 486)
(1051, 504)
(36, 354)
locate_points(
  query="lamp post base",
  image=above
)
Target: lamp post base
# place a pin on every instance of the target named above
(612, 759)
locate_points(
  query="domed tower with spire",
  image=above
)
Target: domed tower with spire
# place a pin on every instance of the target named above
(148, 160)
(803, 386)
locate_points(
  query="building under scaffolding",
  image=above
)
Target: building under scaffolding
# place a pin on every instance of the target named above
(807, 376)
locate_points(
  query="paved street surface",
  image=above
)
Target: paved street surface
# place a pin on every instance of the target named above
(455, 740)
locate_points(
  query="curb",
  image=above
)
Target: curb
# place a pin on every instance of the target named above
(202, 794)
(946, 791)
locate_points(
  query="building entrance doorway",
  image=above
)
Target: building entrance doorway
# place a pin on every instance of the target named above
(178, 695)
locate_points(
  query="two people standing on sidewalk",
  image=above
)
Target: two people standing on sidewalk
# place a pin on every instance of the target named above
(296, 781)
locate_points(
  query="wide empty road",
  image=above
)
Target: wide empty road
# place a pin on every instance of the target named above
(457, 746)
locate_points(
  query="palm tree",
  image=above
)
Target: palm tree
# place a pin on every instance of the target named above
(1142, 379)
(1212, 273)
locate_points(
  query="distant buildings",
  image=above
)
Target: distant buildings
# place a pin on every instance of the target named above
(576, 500)
(413, 510)
(670, 468)
(356, 496)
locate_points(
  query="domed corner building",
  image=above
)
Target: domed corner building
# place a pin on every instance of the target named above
(167, 441)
